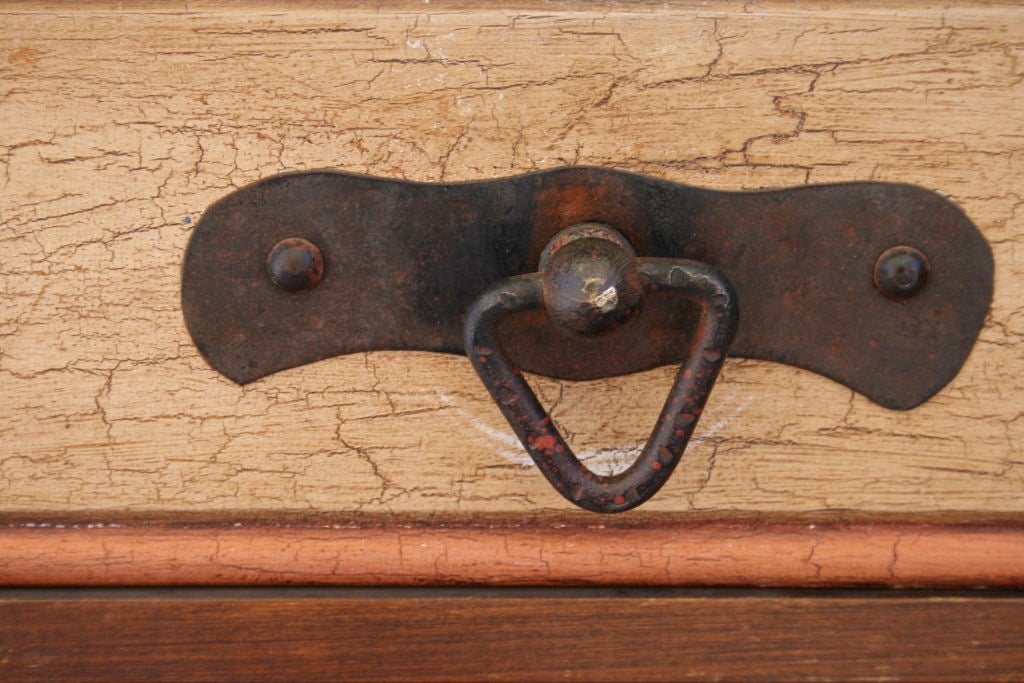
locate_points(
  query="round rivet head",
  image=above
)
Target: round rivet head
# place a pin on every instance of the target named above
(901, 272)
(295, 264)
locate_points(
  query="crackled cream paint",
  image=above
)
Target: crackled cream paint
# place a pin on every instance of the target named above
(603, 461)
(105, 145)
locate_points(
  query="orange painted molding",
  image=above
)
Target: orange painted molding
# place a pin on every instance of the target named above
(696, 553)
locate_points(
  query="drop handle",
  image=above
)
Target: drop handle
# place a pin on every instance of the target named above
(882, 287)
(591, 284)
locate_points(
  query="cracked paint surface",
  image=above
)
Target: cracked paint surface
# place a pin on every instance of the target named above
(119, 128)
(688, 553)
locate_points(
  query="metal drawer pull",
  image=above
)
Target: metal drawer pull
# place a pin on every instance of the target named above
(590, 284)
(582, 273)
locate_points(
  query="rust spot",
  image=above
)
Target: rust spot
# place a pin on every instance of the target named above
(604, 198)
(544, 443)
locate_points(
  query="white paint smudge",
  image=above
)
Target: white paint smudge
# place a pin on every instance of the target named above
(601, 461)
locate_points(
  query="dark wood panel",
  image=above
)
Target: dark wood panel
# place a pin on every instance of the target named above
(509, 634)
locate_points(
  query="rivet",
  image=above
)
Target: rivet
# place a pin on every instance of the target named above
(295, 264)
(901, 272)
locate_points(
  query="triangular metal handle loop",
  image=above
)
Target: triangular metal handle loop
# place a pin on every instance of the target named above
(530, 421)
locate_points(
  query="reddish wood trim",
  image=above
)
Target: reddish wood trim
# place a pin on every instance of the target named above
(477, 635)
(707, 553)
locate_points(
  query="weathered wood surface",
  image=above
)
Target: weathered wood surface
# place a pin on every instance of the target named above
(117, 128)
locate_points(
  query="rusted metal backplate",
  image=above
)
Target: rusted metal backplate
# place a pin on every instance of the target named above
(403, 261)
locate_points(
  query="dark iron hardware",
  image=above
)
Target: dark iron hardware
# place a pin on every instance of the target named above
(882, 287)
(588, 283)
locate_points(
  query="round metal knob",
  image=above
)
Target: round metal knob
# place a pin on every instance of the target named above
(590, 280)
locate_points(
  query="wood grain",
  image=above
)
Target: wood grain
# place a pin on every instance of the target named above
(117, 128)
(709, 553)
(520, 636)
